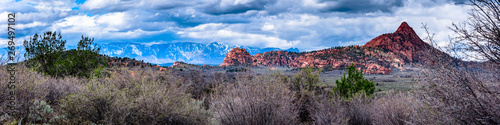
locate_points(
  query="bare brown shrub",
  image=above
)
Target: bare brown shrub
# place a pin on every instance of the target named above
(398, 108)
(327, 111)
(463, 94)
(467, 91)
(127, 96)
(480, 34)
(32, 86)
(254, 101)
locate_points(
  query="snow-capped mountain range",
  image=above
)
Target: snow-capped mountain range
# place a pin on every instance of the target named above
(189, 52)
(196, 53)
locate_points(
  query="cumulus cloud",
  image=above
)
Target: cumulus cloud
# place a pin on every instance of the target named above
(104, 27)
(33, 16)
(222, 32)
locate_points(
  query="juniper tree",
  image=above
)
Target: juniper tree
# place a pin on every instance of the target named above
(353, 83)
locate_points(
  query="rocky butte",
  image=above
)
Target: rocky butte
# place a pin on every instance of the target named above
(378, 56)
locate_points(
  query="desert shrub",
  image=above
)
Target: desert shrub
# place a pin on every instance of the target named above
(326, 111)
(353, 83)
(471, 97)
(201, 85)
(91, 104)
(398, 108)
(134, 96)
(306, 79)
(142, 98)
(42, 112)
(358, 110)
(306, 85)
(467, 91)
(256, 101)
(198, 86)
(32, 88)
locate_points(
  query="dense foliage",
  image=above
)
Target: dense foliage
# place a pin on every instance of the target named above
(46, 53)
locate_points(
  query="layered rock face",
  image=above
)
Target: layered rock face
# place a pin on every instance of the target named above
(377, 56)
(335, 58)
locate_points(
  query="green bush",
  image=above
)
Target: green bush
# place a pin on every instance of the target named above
(354, 83)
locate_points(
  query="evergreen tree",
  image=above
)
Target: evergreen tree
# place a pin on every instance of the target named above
(42, 51)
(47, 54)
(354, 83)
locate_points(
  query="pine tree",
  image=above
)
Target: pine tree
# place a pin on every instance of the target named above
(354, 83)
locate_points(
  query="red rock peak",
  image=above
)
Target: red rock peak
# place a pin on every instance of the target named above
(405, 29)
(404, 41)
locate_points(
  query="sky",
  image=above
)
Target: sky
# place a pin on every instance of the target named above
(303, 24)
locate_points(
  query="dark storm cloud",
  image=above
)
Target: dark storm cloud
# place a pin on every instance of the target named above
(97, 6)
(234, 7)
(192, 18)
(361, 6)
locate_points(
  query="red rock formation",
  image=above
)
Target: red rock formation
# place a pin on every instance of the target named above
(376, 69)
(178, 64)
(237, 56)
(375, 57)
(334, 58)
(404, 42)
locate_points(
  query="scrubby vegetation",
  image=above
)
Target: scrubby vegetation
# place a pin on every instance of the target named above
(132, 94)
(149, 96)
